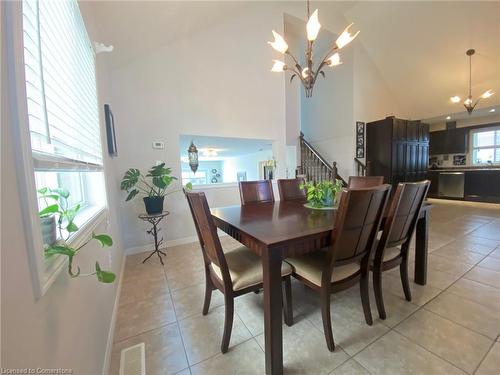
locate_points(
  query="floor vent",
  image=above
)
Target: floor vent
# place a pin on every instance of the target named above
(132, 360)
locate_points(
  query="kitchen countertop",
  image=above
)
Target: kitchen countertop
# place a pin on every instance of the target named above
(465, 169)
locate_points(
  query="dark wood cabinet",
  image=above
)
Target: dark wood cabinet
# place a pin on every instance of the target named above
(398, 149)
(451, 141)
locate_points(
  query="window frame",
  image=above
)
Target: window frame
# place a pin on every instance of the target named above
(43, 272)
(495, 146)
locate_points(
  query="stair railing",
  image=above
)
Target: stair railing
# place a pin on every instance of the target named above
(363, 169)
(313, 166)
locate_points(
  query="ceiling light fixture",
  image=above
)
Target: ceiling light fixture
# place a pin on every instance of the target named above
(308, 74)
(193, 157)
(448, 117)
(492, 110)
(468, 102)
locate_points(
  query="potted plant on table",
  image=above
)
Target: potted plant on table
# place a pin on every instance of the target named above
(153, 185)
(66, 225)
(323, 194)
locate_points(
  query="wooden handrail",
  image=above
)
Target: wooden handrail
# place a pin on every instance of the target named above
(313, 166)
(363, 169)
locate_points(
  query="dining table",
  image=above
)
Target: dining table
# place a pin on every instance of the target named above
(278, 230)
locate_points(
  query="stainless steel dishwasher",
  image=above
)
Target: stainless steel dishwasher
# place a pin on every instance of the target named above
(451, 184)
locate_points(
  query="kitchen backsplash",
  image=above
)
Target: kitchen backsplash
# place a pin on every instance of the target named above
(449, 161)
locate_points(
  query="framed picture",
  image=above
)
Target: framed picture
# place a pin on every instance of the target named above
(110, 130)
(360, 139)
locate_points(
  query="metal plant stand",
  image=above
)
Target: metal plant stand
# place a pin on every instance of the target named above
(154, 220)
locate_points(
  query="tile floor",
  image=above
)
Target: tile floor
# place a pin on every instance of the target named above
(452, 326)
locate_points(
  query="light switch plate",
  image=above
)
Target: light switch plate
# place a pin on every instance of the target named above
(158, 145)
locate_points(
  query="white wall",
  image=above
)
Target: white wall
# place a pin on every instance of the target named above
(213, 83)
(245, 163)
(353, 91)
(68, 326)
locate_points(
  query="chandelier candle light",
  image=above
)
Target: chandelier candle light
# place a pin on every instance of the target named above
(468, 102)
(309, 73)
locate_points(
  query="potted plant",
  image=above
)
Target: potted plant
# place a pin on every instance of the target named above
(48, 215)
(67, 226)
(153, 185)
(323, 194)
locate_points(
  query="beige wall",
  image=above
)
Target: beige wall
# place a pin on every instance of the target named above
(67, 327)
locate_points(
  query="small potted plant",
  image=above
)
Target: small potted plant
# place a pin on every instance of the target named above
(323, 194)
(67, 226)
(48, 215)
(153, 185)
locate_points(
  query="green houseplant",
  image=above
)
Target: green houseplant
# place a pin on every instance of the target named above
(48, 215)
(153, 186)
(66, 225)
(322, 194)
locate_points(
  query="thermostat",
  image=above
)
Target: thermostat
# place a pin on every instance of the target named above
(159, 145)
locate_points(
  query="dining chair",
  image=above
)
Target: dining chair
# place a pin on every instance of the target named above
(356, 182)
(393, 247)
(347, 259)
(289, 189)
(256, 192)
(234, 272)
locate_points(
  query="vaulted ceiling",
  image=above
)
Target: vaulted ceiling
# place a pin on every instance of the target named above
(418, 46)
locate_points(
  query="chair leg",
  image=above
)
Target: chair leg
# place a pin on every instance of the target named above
(365, 298)
(377, 289)
(228, 322)
(327, 320)
(403, 270)
(208, 294)
(287, 301)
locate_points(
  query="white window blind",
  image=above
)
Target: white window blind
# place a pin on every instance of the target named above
(61, 87)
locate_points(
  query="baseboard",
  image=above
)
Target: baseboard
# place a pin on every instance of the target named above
(171, 243)
(111, 332)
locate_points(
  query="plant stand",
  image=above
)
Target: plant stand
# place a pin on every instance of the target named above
(154, 220)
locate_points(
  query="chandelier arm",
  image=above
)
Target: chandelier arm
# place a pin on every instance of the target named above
(333, 49)
(294, 59)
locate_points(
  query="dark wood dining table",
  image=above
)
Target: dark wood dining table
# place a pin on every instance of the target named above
(278, 230)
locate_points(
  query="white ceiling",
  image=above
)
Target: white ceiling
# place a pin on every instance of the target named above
(418, 47)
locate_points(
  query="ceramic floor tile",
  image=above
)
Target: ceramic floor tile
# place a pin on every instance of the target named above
(189, 301)
(202, 335)
(185, 279)
(490, 263)
(421, 294)
(305, 351)
(163, 348)
(142, 288)
(250, 309)
(394, 354)
(243, 359)
(491, 364)
(448, 264)
(484, 275)
(479, 318)
(495, 253)
(490, 231)
(138, 317)
(396, 308)
(458, 252)
(450, 341)
(481, 293)
(349, 327)
(351, 367)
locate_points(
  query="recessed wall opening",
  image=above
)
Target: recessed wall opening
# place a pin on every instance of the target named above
(226, 160)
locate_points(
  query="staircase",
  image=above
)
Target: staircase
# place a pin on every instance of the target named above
(313, 167)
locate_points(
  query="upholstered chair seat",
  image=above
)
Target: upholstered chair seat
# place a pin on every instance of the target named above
(311, 265)
(245, 268)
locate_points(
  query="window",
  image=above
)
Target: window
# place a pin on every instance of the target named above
(62, 148)
(486, 146)
(198, 178)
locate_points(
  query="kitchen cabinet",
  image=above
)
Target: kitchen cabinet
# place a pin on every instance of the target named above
(451, 141)
(398, 149)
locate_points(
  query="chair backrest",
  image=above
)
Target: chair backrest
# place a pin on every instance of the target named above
(403, 213)
(289, 189)
(207, 232)
(356, 182)
(356, 226)
(256, 192)
(200, 238)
